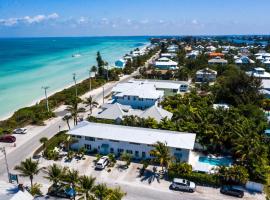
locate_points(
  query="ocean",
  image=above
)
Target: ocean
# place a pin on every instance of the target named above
(27, 64)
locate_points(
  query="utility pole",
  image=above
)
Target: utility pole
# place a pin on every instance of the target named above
(74, 79)
(90, 84)
(4, 152)
(47, 101)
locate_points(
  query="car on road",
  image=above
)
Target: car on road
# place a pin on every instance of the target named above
(183, 184)
(102, 162)
(229, 190)
(7, 138)
(20, 131)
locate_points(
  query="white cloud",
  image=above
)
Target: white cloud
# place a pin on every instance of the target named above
(28, 19)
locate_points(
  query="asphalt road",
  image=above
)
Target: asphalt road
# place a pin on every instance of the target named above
(26, 150)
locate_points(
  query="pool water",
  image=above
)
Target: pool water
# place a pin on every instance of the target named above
(222, 161)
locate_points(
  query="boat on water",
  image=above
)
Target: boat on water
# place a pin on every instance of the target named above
(76, 55)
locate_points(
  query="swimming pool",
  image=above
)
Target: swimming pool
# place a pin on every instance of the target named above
(221, 161)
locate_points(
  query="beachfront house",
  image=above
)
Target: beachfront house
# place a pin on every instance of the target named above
(116, 139)
(137, 95)
(259, 72)
(117, 112)
(165, 63)
(217, 61)
(206, 75)
(120, 63)
(244, 60)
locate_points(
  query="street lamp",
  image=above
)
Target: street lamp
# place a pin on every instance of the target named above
(74, 79)
(3, 150)
(47, 101)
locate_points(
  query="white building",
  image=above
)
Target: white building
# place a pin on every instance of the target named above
(259, 72)
(9, 191)
(193, 54)
(166, 63)
(172, 49)
(262, 56)
(217, 60)
(137, 94)
(117, 112)
(211, 48)
(244, 60)
(107, 138)
(206, 75)
(168, 55)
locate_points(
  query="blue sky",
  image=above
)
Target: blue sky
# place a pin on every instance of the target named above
(21, 18)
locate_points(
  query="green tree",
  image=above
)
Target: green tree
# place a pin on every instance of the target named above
(235, 174)
(86, 186)
(72, 177)
(28, 168)
(101, 191)
(161, 154)
(126, 157)
(43, 141)
(91, 103)
(100, 64)
(74, 110)
(115, 194)
(66, 118)
(55, 173)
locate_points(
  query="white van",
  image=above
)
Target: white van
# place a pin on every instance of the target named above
(102, 162)
(183, 184)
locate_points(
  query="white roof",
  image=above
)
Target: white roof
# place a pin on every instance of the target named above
(9, 191)
(259, 75)
(217, 60)
(157, 113)
(206, 71)
(266, 84)
(136, 135)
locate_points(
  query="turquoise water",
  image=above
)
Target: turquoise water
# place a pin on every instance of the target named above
(223, 161)
(27, 64)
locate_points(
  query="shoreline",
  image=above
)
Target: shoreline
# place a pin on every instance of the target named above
(38, 99)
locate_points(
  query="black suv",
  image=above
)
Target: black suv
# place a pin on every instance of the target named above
(229, 190)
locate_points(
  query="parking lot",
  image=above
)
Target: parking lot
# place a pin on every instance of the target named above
(148, 186)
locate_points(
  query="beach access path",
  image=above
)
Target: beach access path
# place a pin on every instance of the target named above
(26, 144)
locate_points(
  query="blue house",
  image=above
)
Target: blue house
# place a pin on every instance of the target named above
(120, 63)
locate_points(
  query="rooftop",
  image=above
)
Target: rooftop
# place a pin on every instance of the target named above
(134, 134)
(9, 191)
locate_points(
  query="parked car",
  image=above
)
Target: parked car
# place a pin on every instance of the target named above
(229, 190)
(7, 138)
(182, 184)
(59, 191)
(20, 131)
(102, 162)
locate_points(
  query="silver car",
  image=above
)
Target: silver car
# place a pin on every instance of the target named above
(182, 184)
(20, 131)
(102, 162)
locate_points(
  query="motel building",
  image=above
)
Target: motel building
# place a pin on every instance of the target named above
(108, 138)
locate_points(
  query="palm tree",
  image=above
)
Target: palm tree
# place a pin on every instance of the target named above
(28, 168)
(66, 118)
(43, 141)
(86, 186)
(54, 173)
(75, 110)
(116, 194)
(72, 177)
(91, 103)
(101, 191)
(161, 153)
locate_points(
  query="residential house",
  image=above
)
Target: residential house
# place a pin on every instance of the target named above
(244, 60)
(217, 60)
(117, 112)
(172, 49)
(168, 55)
(120, 63)
(206, 75)
(259, 72)
(193, 54)
(116, 139)
(211, 48)
(165, 63)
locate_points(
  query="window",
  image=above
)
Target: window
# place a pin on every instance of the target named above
(143, 154)
(87, 146)
(178, 149)
(129, 151)
(89, 138)
(99, 139)
(137, 153)
(128, 97)
(152, 155)
(111, 150)
(78, 136)
(150, 145)
(120, 150)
